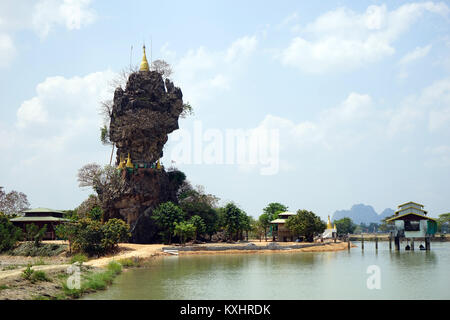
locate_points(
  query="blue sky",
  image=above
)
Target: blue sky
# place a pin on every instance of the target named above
(359, 92)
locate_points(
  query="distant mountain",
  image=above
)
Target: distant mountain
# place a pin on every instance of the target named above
(361, 213)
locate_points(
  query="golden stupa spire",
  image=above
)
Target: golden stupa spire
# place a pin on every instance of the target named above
(121, 166)
(334, 227)
(144, 63)
(329, 223)
(158, 165)
(129, 163)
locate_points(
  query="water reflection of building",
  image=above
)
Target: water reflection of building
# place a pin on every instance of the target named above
(412, 223)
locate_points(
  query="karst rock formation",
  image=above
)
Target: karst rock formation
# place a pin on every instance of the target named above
(142, 117)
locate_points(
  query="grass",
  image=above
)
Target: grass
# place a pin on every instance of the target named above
(94, 281)
(130, 262)
(79, 257)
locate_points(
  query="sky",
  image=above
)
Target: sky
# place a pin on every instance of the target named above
(354, 97)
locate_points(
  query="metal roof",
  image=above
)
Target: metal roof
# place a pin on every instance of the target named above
(45, 210)
(38, 219)
(404, 215)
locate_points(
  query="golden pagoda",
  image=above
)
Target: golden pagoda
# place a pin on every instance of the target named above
(144, 63)
(129, 163)
(329, 226)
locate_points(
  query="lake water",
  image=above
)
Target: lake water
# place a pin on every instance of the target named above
(302, 275)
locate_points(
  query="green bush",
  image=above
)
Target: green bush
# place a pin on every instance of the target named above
(39, 276)
(114, 231)
(27, 273)
(79, 257)
(9, 234)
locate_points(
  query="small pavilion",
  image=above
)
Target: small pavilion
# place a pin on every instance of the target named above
(412, 223)
(279, 230)
(41, 217)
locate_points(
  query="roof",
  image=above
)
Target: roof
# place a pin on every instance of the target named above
(45, 210)
(278, 221)
(406, 214)
(421, 205)
(287, 213)
(396, 212)
(36, 219)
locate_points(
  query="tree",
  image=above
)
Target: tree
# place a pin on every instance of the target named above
(9, 234)
(67, 231)
(264, 221)
(232, 219)
(184, 230)
(345, 226)
(443, 220)
(305, 223)
(273, 209)
(34, 233)
(114, 232)
(199, 224)
(13, 202)
(162, 67)
(165, 215)
(106, 182)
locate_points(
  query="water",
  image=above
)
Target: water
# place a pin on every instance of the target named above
(302, 275)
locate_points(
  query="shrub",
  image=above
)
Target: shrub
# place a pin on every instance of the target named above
(30, 250)
(114, 231)
(39, 276)
(115, 267)
(79, 257)
(9, 234)
(27, 273)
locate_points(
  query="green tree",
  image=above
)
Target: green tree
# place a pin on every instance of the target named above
(232, 220)
(165, 215)
(114, 232)
(305, 223)
(264, 221)
(273, 209)
(9, 234)
(67, 231)
(199, 224)
(184, 230)
(345, 226)
(34, 233)
(443, 219)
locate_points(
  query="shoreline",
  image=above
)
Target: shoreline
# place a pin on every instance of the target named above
(13, 286)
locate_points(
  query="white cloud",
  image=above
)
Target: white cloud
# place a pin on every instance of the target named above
(73, 14)
(416, 54)
(343, 40)
(202, 72)
(7, 49)
(56, 133)
(41, 17)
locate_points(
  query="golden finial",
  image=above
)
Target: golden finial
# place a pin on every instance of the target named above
(158, 165)
(329, 223)
(121, 164)
(334, 227)
(144, 62)
(129, 164)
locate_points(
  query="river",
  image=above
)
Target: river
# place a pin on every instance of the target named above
(302, 275)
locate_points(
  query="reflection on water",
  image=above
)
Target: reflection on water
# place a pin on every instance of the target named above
(305, 275)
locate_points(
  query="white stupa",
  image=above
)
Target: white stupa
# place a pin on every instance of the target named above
(330, 232)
